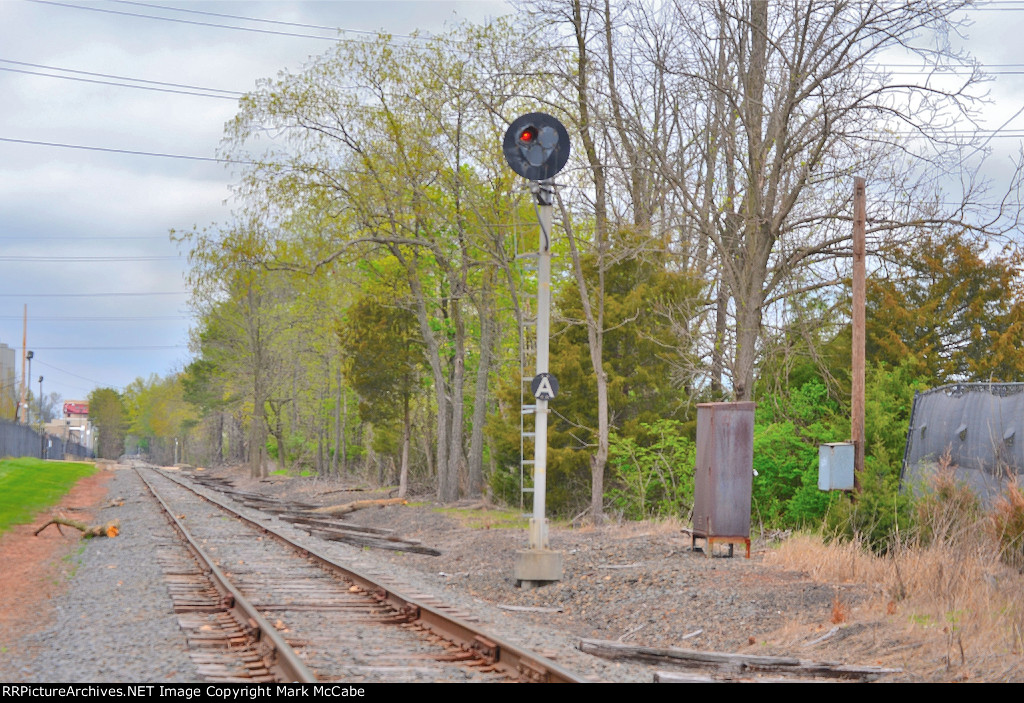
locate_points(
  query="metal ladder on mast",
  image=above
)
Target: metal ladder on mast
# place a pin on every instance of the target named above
(527, 362)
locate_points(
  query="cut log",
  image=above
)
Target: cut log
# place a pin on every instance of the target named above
(357, 505)
(529, 608)
(111, 529)
(357, 489)
(733, 662)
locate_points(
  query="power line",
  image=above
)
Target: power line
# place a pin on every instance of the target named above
(86, 318)
(84, 237)
(254, 19)
(138, 348)
(85, 259)
(91, 295)
(194, 22)
(122, 78)
(69, 373)
(119, 85)
(127, 151)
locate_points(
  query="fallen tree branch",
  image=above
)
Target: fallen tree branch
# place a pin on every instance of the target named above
(824, 637)
(111, 529)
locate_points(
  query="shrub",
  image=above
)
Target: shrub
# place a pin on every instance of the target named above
(785, 489)
(504, 485)
(947, 508)
(1006, 522)
(879, 514)
(653, 471)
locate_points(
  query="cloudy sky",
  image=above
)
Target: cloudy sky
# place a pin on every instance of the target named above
(84, 232)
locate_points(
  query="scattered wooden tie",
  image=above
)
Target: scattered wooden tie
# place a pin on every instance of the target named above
(363, 539)
(733, 663)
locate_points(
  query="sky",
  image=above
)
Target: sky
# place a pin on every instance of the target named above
(84, 232)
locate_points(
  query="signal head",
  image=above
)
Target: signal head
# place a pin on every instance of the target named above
(536, 146)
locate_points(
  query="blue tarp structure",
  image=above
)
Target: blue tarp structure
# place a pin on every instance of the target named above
(982, 427)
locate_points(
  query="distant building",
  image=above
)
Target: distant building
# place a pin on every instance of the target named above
(75, 426)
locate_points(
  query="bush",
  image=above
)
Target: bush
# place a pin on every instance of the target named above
(947, 509)
(504, 485)
(785, 490)
(879, 514)
(653, 471)
(1006, 522)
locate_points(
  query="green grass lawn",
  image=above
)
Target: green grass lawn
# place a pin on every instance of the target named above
(30, 485)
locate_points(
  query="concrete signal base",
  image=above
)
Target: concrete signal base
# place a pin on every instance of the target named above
(537, 567)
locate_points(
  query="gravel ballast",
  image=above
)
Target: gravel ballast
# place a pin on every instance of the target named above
(115, 621)
(639, 584)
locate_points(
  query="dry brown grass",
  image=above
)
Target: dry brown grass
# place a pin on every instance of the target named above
(1006, 525)
(840, 611)
(962, 609)
(948, 600)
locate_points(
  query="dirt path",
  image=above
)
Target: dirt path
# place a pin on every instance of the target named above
(36, 569)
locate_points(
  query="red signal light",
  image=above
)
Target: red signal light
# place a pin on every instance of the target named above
(528, 135)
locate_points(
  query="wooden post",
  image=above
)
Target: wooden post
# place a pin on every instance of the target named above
(24, 379)
(858, 315)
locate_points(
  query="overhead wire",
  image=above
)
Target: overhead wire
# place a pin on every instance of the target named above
(132, 152)
(252, 19)
(118, 294)
(69, 373)
(118, 85)
(97, 318)
(196, 22)
(122, 78)
(82, 237)
(83, 259)
(155, 347)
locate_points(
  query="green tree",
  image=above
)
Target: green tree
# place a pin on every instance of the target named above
(384, 357)
(653, 471)
(159, 418)
(107, 415)
(787, 433)
(647, 357)
(951, 306)
(403, 170)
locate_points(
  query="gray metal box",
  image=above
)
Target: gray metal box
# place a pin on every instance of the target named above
(723, 477)
(835, 466)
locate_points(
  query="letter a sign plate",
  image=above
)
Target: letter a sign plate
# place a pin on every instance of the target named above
(545, 386)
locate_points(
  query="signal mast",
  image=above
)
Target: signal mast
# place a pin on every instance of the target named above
(536, 147)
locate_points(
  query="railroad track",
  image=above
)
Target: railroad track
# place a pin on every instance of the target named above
(257, 607)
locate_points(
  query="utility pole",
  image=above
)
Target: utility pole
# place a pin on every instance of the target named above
(858, 322)
(22, 408)
(42, 423)
(25, 385)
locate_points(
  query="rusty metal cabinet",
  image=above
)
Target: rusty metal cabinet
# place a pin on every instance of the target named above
(723, 477)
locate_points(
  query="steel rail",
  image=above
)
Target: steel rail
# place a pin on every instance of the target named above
(515, 660)
(287, 663)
